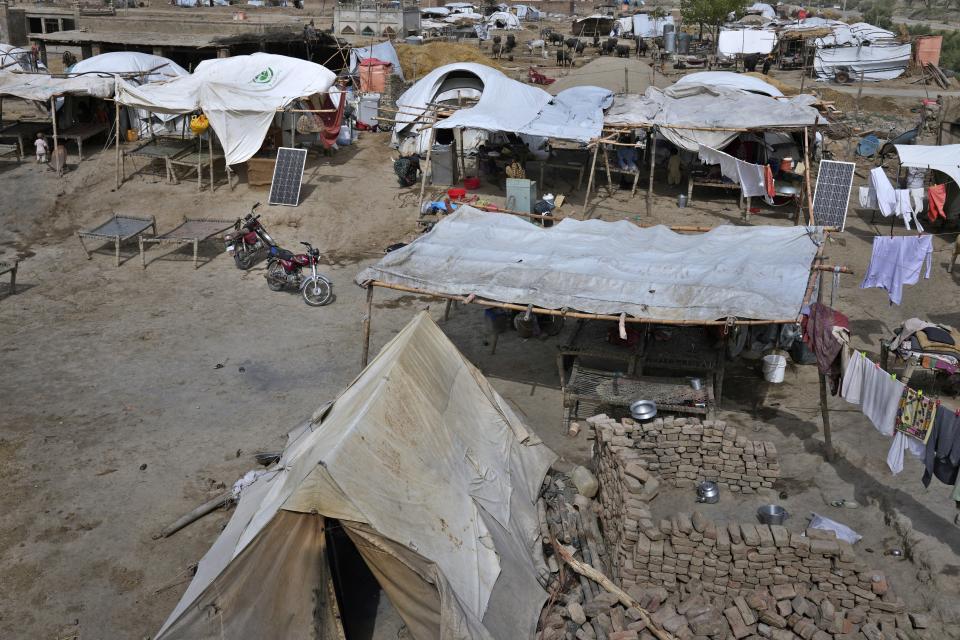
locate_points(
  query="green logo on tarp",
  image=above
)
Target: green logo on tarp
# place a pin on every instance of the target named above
(264, 77)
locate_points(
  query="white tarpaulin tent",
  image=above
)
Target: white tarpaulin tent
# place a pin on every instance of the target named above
(945, 158)
(732, 81)
(681, 112)
(876, 62)
(745, 41)
(646, 27)
(382, 51)
(601, 267)
(860, 33)
(433, 477)
(146, 67)
(764, 10)
(42, 87)
(503, 20)
(239, 95)
(503, 105)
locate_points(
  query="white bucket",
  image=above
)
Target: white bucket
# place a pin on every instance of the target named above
(774, 367)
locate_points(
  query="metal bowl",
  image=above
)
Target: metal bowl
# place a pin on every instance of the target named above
(643, 409)
(708, 492)
(772, 514)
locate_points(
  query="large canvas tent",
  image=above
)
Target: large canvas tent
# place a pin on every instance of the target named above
(434, 479)
(239, 95)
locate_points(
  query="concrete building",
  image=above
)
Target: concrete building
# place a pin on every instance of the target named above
(371, 19)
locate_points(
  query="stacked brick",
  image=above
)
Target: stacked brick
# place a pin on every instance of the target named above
(684, 451)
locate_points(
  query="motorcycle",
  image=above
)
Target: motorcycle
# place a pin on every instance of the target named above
(285, 270)
(247, 240)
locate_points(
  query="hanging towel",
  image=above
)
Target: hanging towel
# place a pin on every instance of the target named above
(904, 208)
(868, 198)
(937, 195)
(884, 191)
(917, 195)
(897, 261)
(852, 386)
(902, 441)
(753, 181)
(728, 164)
(876, 391)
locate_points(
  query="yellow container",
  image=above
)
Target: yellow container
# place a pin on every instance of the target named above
(132, 135)
(199, 124)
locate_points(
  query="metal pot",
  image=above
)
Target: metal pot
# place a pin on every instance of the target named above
(696, 384)
(643, 409)
(708, 492)
(772, 514)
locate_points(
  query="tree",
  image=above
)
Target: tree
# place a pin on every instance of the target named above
(712, 13)
(878, 13)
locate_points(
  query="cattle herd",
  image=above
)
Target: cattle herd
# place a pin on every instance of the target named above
(568, 47)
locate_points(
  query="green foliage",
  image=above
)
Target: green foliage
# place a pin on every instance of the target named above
(878, 13)
(710, 12)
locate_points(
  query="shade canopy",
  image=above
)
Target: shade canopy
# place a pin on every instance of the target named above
(434, 478)
(239, 95)
(42, 87)
(945, 158)
(609, 268)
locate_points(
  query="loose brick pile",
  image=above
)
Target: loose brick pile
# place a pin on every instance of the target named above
(685, 451)
(707, 580)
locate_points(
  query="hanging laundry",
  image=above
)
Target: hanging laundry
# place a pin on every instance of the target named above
(728, 164)
(917, 196)
(895, 455)
(751, 177)
(915, 177)
(905, 209)
(896, 262)
(771, 186)
(876, 391)
(818, 333)
(942, 456)
(937, 196)
(868, 198)
(883, 191)
(915, 415)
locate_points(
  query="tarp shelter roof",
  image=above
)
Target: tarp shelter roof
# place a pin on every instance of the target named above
(503, 20)
(146, 67)
(382, 51)
(854, 34)
(945, 158)
(875, 62)
(731, 80)
(42, 87)
(608, 72)
(504, 105)
(763, 9)
(425, 459)
(239, 95)
(602, 267)
(12, 57)
(681, 112)
(745, 41)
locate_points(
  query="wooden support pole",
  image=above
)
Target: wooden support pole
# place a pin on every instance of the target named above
(606, 163)
(653, 155)
(116, 126)
(424, 168)
(53, 119)
(210, 154)
(824, 409)
(593, 168)
(366, 327)
(806, 172)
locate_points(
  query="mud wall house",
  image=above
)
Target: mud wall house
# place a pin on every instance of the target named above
(376, 20)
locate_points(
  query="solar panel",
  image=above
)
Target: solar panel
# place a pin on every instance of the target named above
(832, 195)
(287, 176)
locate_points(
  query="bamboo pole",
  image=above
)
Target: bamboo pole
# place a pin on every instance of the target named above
(210, 154)
(116, 127)
(590, 572)
(423, 170)
(534, 216)
(606, 163)
(577, 315)
(593, 168)
(53, 119)
(653, 155)
(366, 327)
(824, 409)
(806, 173)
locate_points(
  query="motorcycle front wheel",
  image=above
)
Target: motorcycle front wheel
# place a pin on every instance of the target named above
(244, 259)
(276, 276)
(317, 292)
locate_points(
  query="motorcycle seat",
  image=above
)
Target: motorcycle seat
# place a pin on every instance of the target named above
(284, 254)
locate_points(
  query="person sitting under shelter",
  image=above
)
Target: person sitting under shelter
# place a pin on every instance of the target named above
(627, 156)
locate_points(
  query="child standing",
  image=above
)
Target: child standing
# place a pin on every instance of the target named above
(42, 149)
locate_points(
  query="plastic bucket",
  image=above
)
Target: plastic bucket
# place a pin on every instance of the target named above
(682, 201)
(774, 367)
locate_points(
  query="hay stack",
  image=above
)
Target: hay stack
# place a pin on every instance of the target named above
(423, 59)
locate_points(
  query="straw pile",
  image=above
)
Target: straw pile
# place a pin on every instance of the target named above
(785, 89)
(419, 60)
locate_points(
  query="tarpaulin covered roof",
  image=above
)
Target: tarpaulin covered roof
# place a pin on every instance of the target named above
(12, 57)
(42, 87)
(146, 67)
(424, 461)
(610, 268)
(681, 109)
(504, 104)
(945, 158)
(381, 51)
(239, 95)
(876, 62)
(732, 81)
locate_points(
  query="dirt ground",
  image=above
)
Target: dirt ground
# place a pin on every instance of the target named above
(116, 418)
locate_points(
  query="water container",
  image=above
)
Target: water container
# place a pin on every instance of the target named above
(345, 137)
(668, 28)
(682, 201)
(683, 42)
(369, 105)
(670, 40)
(774, 366)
